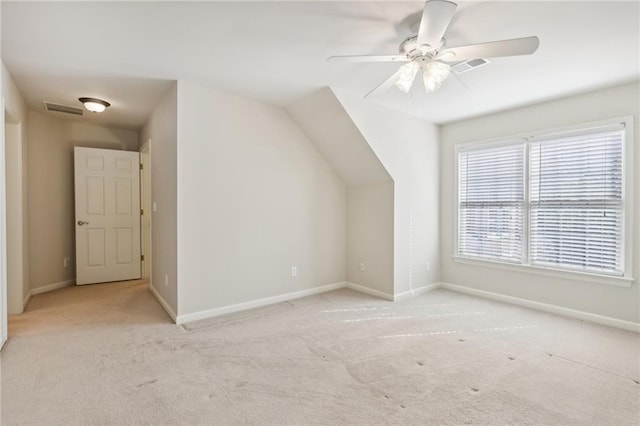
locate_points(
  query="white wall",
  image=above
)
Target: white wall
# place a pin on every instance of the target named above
(329, 127)
(370, 236)
(51, 193)
(17, 215)
(85, 134)
(408, 148)
(162, 129)
(611, 301)
(254, 199)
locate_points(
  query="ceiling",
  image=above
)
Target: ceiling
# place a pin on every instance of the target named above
(130, 52)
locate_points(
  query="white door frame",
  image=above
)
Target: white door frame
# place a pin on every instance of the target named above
(145, 202)
(3, 237)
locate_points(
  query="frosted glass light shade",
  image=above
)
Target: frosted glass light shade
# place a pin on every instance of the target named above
(434, 74)
(407, 73)
(438, 70)
(430, 84)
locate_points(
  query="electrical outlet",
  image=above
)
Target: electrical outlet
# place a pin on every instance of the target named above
(166, 280)
(294, 271)
(66, 262)
(361, 266)
(428, 266)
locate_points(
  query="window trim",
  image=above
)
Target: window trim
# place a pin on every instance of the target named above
(567, 274)
(627, 198)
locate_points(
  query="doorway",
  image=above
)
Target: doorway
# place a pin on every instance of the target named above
(15, 195)
(3, 239)
(14, 269)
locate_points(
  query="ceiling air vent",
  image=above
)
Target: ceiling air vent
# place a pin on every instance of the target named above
(49, 106)
(469, 65)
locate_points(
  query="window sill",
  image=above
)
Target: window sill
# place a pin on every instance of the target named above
(549, 272)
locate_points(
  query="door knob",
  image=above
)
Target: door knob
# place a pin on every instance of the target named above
(82, 222)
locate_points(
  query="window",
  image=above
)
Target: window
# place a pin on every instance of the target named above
(551, 200)
(491, 200)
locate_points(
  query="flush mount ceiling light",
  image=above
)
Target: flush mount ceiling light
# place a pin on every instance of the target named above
(94, 104)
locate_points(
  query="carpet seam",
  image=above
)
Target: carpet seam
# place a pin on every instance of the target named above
(592, 367)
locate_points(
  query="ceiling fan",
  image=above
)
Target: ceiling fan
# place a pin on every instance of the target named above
(427, 51)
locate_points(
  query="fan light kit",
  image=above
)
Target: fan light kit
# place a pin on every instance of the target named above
(427, 51)
(94, 104)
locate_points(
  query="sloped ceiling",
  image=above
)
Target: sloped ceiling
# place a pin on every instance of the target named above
(324, 120)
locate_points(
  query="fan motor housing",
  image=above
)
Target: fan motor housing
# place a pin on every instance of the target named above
(412, 49)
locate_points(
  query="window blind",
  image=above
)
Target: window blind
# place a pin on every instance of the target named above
(491, 202)
(576, 201)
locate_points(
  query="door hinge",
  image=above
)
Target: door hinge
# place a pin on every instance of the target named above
(141, 166)
(142, 257)
(141, 212)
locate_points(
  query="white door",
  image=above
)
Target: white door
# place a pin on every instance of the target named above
(107, 187)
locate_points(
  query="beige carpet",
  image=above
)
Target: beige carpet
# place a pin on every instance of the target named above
(108, 354)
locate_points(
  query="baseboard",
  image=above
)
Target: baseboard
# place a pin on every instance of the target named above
(50, 287)
(369, 291)
(27, 299)
(210, 313)
(164, 304)
(45, 289)
(554, 309)
(416, 291)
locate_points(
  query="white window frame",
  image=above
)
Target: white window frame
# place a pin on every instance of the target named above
(627, 198)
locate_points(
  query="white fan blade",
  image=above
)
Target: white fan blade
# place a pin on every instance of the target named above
(387, 84)
(512, 47)
(369, 58)
(436, 17)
